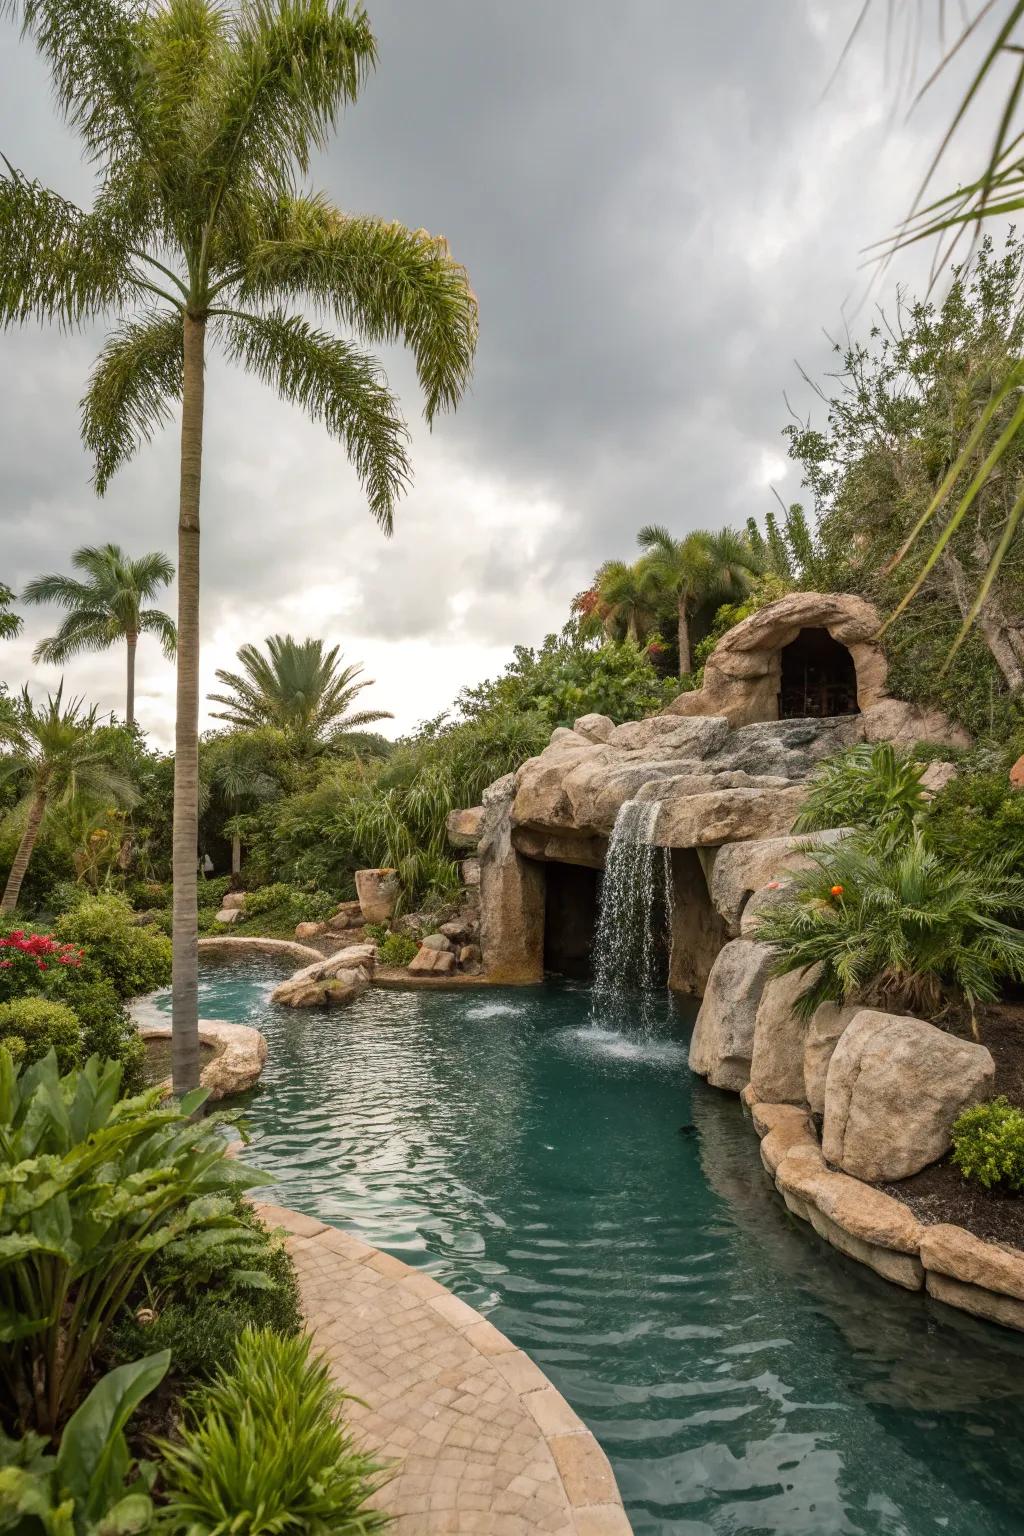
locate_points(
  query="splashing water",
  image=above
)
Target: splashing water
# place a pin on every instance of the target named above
(625, 948)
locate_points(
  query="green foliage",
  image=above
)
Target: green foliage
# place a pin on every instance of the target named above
(865, 786)
(378, 932)
(895, 924)
(134, 959)
(299, 689)
(903, 405)
(41, 1025)
(978, 815)
(262, 1450)
(199, 1312)
(10, 623)
(105, 607)
(106, 1025)
(210, 893)
(97, 1188)
(988, 1145)
(88, 1486)
(397, 950)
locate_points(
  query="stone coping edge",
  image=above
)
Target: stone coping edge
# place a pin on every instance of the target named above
(243, 944)
(879, 1231)
(579, 1460)
(240, 1053)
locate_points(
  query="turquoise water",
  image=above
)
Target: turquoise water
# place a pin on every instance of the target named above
(744, 1379)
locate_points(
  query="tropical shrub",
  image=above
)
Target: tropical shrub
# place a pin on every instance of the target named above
(979, 814)
(988, 1145)
(210, 893)
(88, 1486)
(39, 1025)
(262, 1449)
(865, 786)
(198, 1312)
(107, 1027)
(135, 959)
(26, 957)
(96, 1189)
(898, 926)
(397, 950)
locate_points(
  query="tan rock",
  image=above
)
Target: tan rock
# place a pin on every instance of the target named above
(727, 816)
(990, 1305)
(241, 1053)
(1017, 774)
(594, 728)
(790, 1128)
(464, 827)
(309, 930)
(511, 895)
(936, 776)
(900, 1268)
(469, 954)
(304, 991)
(723, 1035)
(777, 1058)
(904, 724)
(469, 870)
(235, 945)
(959, 1254)
(377, 890)
(863, 1212)
(894, 1087)
(432, 962)
(233, 899)
(775, 894)
(823, 1033)
(228, 915)
(742, 868)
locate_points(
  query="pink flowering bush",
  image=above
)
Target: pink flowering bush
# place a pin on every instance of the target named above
(26, 957)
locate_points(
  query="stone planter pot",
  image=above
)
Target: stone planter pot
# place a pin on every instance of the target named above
(377, 890)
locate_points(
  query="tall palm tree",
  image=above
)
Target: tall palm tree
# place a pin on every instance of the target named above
(625, 600)
(699, 568)
(299, 689)
(106, 607)
(202, 118)
(58, 750)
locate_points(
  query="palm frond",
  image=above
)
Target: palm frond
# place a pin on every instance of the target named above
(337, 385)
(56, 262)
(138, 373)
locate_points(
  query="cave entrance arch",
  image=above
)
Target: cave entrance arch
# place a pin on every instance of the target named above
(817, 678)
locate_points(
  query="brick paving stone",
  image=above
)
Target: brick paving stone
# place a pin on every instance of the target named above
(480, 1441)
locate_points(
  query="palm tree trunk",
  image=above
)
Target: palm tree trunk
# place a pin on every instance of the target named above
(12, 890)
(129, 709)
(236, 855)
(683, 632)
(185, 963)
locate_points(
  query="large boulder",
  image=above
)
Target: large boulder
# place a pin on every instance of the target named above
(378, 891)
(739, 869)
(464, 827)
(777, 1060)
(511, 895)
(904, 724)
(723, 1035)
(895, 1086)
(330, 983)
(726, 815)
(827, 1025)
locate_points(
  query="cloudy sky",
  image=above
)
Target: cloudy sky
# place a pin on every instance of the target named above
(661, 209)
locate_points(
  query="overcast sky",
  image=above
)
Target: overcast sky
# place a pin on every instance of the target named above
(660, 208)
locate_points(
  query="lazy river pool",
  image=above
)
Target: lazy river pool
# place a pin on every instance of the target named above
(610, 1214)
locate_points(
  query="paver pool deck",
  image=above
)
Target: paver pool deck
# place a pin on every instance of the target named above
(482, 1443)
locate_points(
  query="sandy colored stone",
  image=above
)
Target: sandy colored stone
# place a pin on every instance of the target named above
(741, 869)
(775, 894)
(862, 1211)
(894, 1087)
(511, 895)
(777, 1058)
(240, 1059)
(728, 815)
(377, 890)
(228, 915)
(722, 1040)
(1017, 774)
(309, 930)
(827, 1024)
(790, 1127)
(900, 1268)
(584, 1468)
(594, 728)
(936, 776)
(990, 1305)
(905, 724)
(430, 961)
(464, 827)
(959, 1254)
(233, 899)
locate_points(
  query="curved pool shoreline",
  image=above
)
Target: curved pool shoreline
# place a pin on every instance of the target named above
(480, 1438)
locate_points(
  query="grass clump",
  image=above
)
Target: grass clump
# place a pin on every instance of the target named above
(988, 1145)
(397, 950)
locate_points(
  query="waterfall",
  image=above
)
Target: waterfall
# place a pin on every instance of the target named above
(625, 947)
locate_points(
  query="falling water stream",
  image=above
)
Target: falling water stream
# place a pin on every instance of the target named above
(634, 892)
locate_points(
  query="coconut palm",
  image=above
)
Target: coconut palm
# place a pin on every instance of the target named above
(106, 607)
(297, 688)
(201, 119)
(625, 601)
(697, 569)
(10, 623)
(57, 748)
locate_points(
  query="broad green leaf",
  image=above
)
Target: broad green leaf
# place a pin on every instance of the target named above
(94, 1435)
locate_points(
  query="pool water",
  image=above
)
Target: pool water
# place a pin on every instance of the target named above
(610, 1214)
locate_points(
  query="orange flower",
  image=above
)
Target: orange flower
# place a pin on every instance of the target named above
(837, 890)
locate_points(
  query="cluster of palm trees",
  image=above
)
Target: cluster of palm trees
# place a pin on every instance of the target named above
(687, 577)
(201, 122)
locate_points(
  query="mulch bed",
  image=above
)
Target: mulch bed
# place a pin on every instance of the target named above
(940, 1193)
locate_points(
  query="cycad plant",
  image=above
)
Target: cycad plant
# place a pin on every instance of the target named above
(697, 569)
(895, 925)
(865, 786)
(202, 119)
(58, 751)
(108, 606)
(298, 688)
